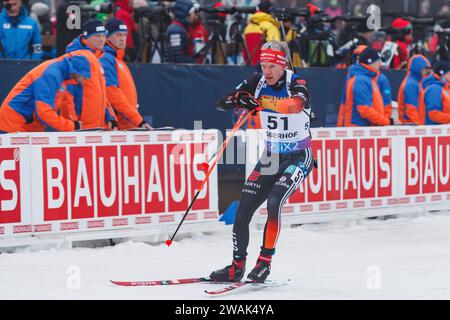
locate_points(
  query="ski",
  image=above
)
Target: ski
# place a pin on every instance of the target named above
(164, 282)
(238, 286)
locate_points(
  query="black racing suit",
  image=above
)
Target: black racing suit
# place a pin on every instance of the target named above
(283, 165)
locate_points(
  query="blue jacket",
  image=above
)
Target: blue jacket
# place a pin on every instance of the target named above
(78, 91)
(435, 104)
(19, 36)
(178, 44)
(409, 92)
(364, 101)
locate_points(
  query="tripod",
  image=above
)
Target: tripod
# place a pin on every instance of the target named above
(213, 46)
(152, 48)
(237, 40)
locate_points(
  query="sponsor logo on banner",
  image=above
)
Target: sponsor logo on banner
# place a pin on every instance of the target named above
(10, 196)
(427, 168)
(349, 169)
(81, 182)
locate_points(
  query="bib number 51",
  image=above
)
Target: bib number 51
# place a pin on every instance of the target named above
(272, 122)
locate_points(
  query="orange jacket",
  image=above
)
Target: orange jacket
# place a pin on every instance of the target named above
(434, 106)
(29, 106)
(86, 102)
(120, 88)
(408, 94)
(364, 105)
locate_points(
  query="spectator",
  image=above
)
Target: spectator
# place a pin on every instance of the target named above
(262, 27)
(41, 11)
(102, 17)
(180, 43)
(333, 9)
(87, 102)
(408, 95)
(125, 13)
(435, 96)
(445, 10)
(317, 44)
(30, 104)
(120, 88)
(382, 82)
(198, 34)
(364, 105)
(403, 38)
(20, 37)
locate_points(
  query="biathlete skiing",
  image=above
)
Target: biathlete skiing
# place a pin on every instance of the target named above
(278, 98)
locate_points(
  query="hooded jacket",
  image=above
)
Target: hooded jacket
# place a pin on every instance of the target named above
(86, 102)
(120, 88)
(260, 24)
(364, 105)
(20, 37)
(408, 94)
(30, 106)
(434, 105)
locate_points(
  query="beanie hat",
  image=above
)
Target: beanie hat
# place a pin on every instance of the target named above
(369, 56)
(91, 27)
(115, 25)
(182, 9)
(265, 6)
(400, 23)
(79, 65)
(441, 67)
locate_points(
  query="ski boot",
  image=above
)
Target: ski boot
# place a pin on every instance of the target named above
(232, 273)
(261, 270)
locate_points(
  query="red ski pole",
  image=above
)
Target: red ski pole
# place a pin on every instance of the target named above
(242, 119)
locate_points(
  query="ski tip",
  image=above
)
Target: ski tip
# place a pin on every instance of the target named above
(168, 242)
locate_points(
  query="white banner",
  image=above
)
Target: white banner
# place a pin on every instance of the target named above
(60, 183)
(368, 169)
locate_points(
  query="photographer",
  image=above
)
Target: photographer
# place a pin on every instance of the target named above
(261, 28)
(198, 34)
(317, 45)
(402, 37)
(180, 43)
(20, 36)
(125, 13)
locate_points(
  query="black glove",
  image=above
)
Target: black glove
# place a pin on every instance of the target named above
(299, 89)
(391, 122)
(77, 125)
(113, 124)
(244, 100)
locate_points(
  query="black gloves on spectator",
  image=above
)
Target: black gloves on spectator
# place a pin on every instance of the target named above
(77, 125)
(113, 125)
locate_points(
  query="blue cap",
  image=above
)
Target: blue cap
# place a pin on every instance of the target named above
(369, 56)
(91, 27)
(441, 67)
(79, 65)
(115, 25)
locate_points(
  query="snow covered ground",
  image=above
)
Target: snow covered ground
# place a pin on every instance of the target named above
(404, 258)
